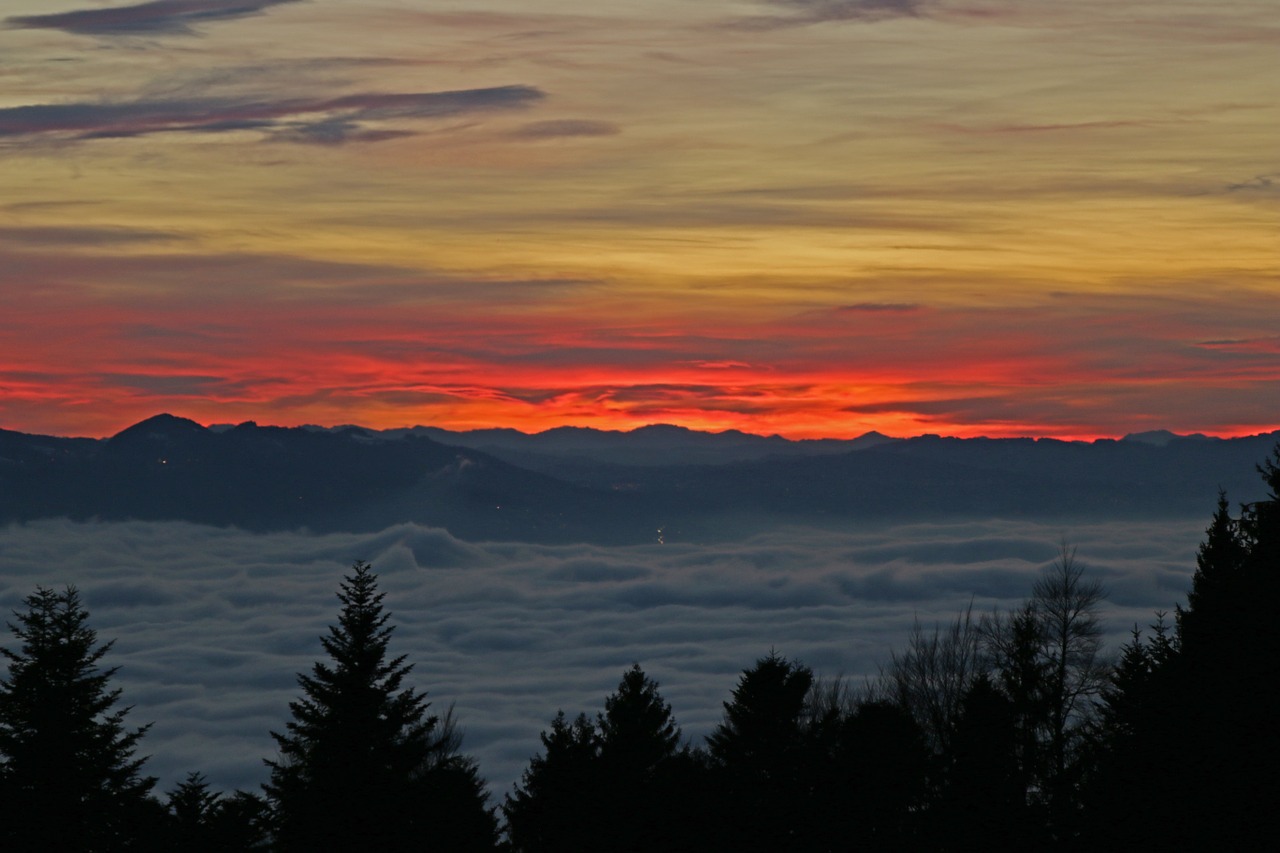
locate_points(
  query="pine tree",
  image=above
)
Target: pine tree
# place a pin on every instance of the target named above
(363, 764)
(69, 778)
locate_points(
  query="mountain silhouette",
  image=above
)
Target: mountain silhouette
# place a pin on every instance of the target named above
(578, 484)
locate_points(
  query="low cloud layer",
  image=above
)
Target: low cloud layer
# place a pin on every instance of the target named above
(212, 625)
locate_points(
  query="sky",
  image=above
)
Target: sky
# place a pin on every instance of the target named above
(804, 217)
(211, 626)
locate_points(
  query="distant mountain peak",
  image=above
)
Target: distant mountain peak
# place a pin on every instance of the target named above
(660, 429)
(872, 439)
(160, 426)
(1161, 437)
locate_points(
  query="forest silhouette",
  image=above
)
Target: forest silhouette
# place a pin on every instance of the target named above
(1004, 730)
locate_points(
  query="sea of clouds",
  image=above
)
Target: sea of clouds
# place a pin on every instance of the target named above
(212, 625)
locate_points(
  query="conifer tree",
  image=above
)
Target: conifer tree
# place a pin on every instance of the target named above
(557, 806)
(619, 784)
(363, 764)
(69, 776)
(192, 805)
(1187, 738)
(762, 757)
(1220, 562)
(637, 730)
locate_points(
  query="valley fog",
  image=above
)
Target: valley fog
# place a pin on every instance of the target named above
(212, 625)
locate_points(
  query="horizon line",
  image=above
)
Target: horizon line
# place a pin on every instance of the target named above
(1083, 439)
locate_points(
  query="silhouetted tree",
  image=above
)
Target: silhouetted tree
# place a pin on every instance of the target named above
(886, 764)
(931, 677)
(363, 765)
(240, 821)
(191, 804)
(1220, 561)
(1126, 702)
(1187, 742)
(205, 821)
(639, 748)
(762, 757)
(557, 806)
(1048, 658)
(1229, 746)
(622, 784)
(1015, 644)
(1129, 790)
(1068, 605)
(69, 777)
(983, 803)
(637, 730)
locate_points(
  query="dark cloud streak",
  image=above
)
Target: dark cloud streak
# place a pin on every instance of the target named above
(81, 236)
(342, 119)
(879, 308)
(556, 128)
(160, 17)
(807, 12)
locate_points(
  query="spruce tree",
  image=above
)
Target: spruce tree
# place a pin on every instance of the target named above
(363, 764)
(69, 777)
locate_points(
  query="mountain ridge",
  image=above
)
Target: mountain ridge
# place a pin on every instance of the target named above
(601, 486)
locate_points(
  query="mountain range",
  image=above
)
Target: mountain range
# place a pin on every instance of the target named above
(657, 483)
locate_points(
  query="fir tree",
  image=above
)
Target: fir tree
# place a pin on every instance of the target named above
(363, 764)
(69, 777)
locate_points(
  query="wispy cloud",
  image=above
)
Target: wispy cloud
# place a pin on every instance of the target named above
(806, 12)
(565, 127)
(1270, 344)
(1257, 184)
(81, 236)
(879, 308)
(160, 17)
(329, 120)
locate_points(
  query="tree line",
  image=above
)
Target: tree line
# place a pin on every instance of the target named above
(1003, 730)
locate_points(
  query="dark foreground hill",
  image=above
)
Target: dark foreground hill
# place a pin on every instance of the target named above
(588, 485)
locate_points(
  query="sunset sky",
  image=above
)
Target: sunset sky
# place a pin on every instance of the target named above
(808, 217)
